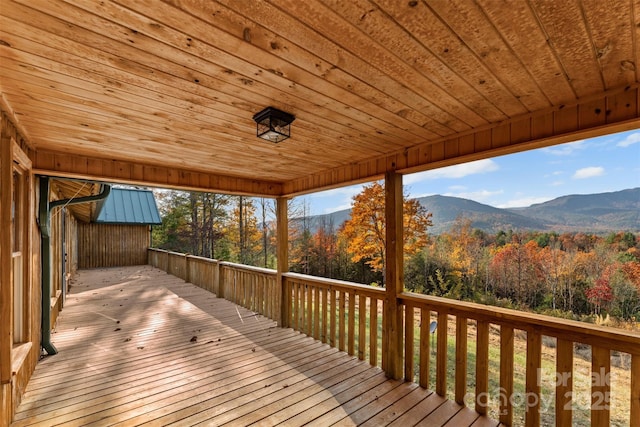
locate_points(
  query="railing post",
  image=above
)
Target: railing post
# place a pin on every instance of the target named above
(392, 320)
(282, 232)
(218, 286)
(187, 269)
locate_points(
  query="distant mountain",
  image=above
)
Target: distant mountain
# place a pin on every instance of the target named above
(618, 210)
(446, 210)
(597, 213)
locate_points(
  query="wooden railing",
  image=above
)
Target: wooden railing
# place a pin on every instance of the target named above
(251, 287)
(338, 313)
(505, 374)
(447, 324)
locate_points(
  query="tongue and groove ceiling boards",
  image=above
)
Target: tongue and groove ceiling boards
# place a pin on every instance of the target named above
(164, 91)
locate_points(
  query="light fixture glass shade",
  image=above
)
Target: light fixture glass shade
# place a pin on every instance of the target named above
(273, 125)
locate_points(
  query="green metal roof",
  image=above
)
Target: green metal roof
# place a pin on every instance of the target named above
(129, 206)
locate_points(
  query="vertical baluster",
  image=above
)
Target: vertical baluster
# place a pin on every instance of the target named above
(482, 367)
(532, 384)
(362, 326)
(506, 374)
(600, 386)
(564, 382)
(341, 331)
(441, 355)
(316, 312)
(301, 304)
(385, 336)
(260, 283)
(461, 359)
(408, 342)
(352, 324)
(425, 348)
(296, 306)
(634, 412)
(254, 293)
(269, 297)
(332, 317)
(309, 311)
(373, 331)
(324, 315)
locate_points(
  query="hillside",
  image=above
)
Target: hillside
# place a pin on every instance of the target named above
(598, 213)
(619, 210)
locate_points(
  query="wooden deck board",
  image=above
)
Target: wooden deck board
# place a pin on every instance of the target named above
(128, 357)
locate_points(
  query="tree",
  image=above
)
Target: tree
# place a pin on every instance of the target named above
(244, 233)
(365, 230)
(174, 211)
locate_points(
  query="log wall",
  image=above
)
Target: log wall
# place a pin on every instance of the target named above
(112, 245)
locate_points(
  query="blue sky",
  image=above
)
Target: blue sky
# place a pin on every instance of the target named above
(597, 165)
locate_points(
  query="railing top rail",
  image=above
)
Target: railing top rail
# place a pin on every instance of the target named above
(377, 292)
(586, 333)
(201, 258)
(251, 268)
(167, 252)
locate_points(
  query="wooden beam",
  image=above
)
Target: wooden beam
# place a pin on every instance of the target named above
(6, 266)
(393, 274)
(130, 172)
(616, 111)
(282, 248)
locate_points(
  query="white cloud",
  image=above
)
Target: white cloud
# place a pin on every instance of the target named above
(629, 140)
(339, 192)
(452, 172)
(566, 149)
(557, 183)
(589, 172)
(523, 202)
(457, 188)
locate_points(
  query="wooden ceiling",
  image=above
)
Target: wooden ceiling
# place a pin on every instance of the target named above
(163, 92)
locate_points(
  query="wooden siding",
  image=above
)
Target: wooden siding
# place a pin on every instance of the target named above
(112, 245)
(17, 362)
(140, 346)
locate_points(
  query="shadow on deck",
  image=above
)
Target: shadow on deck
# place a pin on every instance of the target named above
(138, 346)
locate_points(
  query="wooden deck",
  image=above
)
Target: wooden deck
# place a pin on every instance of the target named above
(140, 347)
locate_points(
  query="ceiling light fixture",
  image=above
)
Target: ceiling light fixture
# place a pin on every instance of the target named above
(273, 125)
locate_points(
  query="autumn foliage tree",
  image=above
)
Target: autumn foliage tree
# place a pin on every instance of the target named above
(365, 230)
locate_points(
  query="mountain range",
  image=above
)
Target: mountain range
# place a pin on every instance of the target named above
(594, 213)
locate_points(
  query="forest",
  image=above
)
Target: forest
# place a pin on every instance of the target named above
(581, 276)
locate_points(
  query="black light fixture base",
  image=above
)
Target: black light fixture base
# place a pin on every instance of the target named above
(273, 125)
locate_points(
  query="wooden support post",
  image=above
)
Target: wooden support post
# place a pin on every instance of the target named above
(282, 245)
(6, 266)
(634, 413)
(393, 275)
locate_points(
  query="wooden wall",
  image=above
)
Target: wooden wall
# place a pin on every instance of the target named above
(112, 245)
(17, 362)
(64, 253)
